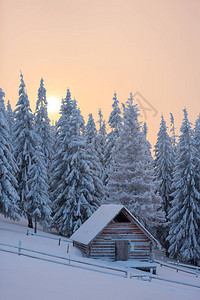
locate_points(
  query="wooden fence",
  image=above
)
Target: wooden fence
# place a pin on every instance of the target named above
(91, 266)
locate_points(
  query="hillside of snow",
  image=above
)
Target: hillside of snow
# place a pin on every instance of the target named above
(25, 278)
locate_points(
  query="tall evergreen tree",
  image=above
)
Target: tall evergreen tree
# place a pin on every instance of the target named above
(131, 182)
(172, 130)
(72, 184)
(164, 161)
(38, 203)
(145, 129)
(197, 162)
(42, 123)
(94, 161)
(100, 142)
(62, 136)
(8, 168)
(185, 211)
(115, 123)
(10, 119)
(25, 151)
(91, 131)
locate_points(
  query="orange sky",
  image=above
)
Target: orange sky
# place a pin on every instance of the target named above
(96, 47)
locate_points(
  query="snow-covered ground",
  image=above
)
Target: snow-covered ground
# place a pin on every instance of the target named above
(27, 278)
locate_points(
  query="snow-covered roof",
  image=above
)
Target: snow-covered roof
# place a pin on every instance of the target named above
(100, 218)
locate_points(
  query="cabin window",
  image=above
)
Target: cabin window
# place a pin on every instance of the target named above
(121, 218)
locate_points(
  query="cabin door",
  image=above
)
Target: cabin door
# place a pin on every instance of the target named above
(122, 250)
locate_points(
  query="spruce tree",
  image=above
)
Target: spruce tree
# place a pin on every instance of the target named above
(131, 178)
(164, 161)
(172, 130)
(185, 209)
(72, 184)
(10, 119)
(26, 144)
(38, 203)
(42, 124)
(8, 168)
(115, 123)
(197, 163)
(94, 160)
(100, 142)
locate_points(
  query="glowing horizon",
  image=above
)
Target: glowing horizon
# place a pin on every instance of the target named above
(98, 47)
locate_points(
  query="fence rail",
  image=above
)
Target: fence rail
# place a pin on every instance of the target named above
(69, 259)
(175, 267)
(59, 239)
(196, 268)
(128, 273)
(151, 276)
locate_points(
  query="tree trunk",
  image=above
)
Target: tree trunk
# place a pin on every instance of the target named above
(35, 229)
(30, 222)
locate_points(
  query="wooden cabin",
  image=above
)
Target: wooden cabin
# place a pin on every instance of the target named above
(113, 232)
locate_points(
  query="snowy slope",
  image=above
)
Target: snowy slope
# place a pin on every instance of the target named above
(25, 278)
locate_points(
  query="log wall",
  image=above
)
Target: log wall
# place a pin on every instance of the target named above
(84, 248)
(104, 244)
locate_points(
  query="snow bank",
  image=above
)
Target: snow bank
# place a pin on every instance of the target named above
(24, 278)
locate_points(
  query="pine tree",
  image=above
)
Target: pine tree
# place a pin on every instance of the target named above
(164, 161)
(131, 182)
(26, 145)
(115, 123)
(145, 129)
(72, 184)
(8, 168)
(185, 210)
(172, 130)
(100, 142)
(62, 136)
(197, 163)
(42, 123)
(94, 161)
(91, 131)
(38, 203)
(10, 119)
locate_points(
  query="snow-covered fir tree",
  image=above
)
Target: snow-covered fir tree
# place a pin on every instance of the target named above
(197, 151)
(145, 129)
(91, 131)
(10, 119)
(131, 176)
(38, 203)
(115, 122)
(157, 216)
(94, 161)
(172, 130)
(72, 184)
(60, 148)
(197, 162)
(42, 123)
(164, 162)
(100, 142)
(8, 168)
(185, 209)
(26, 144)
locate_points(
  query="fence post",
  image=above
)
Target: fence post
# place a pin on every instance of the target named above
(151, 272)
(59, 241)
(19, 248)
(177, 265)
(196, 271)
(27, 233)
(161, 261)
(128, 275)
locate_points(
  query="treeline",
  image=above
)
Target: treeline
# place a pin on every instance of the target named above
(59, 175)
